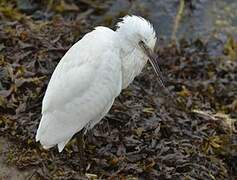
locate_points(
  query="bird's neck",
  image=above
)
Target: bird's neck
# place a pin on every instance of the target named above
(133, 60)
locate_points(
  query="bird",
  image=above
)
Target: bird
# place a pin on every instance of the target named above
(91, 74)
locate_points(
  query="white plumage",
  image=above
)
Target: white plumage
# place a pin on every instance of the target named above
(90, 76)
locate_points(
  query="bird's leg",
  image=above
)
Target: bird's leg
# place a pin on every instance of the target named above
(81, 150)
(89, 136)
(109, 130)
(105, 129)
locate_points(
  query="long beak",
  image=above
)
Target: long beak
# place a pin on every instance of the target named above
(153, 60)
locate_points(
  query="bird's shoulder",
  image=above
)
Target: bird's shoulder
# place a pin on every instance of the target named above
(91, 46)
(88, 63)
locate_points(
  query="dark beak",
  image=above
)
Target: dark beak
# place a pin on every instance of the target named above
(153, 60)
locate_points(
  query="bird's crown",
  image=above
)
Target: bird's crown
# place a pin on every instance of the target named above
(135, 29)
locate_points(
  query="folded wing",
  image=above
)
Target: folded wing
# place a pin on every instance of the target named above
(82, 88)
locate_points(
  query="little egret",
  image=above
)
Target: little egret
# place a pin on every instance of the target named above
(91, 75)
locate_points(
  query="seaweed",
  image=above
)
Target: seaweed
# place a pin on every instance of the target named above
(144, 135)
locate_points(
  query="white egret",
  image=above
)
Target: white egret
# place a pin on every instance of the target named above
(91, 75)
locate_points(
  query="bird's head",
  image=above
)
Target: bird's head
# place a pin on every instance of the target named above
(140, 34)
(135, 29)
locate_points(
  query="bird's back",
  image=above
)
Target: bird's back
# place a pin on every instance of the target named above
(82, 88)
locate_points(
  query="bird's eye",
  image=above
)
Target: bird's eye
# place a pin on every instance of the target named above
(141, 43)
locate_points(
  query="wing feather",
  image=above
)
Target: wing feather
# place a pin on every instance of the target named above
(82, 88)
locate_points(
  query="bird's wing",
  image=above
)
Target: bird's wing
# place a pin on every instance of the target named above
(82, 88)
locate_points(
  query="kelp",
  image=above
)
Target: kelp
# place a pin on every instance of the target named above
(145, 135)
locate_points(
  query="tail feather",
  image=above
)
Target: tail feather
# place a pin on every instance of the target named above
(62, 145)
(40, 131)
(55, 128)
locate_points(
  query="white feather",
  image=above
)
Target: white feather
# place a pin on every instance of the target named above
(88, 78)
(78, 92)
